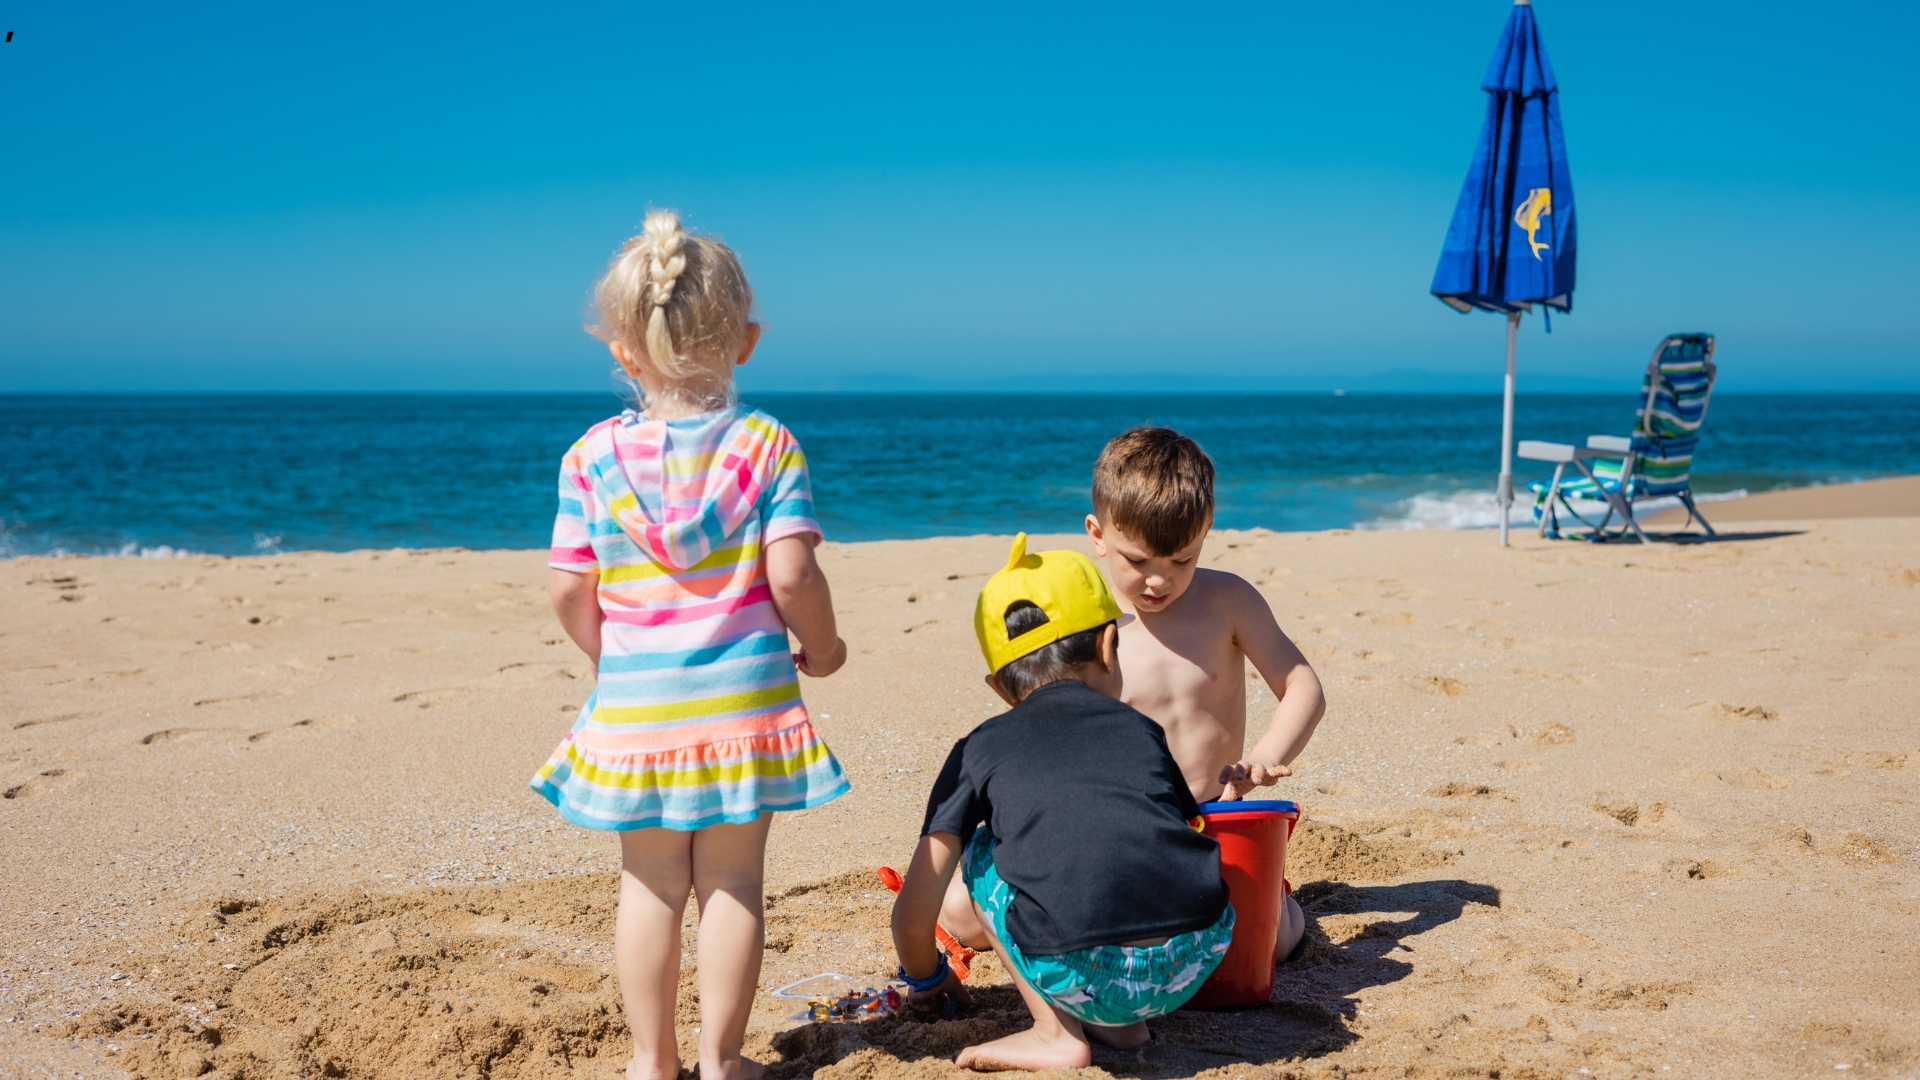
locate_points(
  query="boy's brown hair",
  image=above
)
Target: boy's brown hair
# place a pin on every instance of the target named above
(1155, 485)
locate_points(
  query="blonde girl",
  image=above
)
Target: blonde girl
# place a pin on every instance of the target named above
(682, 559)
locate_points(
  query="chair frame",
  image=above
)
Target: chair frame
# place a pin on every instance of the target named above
(1613, 446)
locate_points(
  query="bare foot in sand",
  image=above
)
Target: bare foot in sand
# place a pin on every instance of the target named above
(1026, 1050)
(1130, 1037)
(740, 1068)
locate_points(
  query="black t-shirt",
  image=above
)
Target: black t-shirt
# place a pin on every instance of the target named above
(1091, 813)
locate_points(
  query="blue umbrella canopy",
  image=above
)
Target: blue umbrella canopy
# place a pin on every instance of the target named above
(1511, 243)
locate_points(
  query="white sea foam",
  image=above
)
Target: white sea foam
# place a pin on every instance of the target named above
(1441, 510)
(1480, 510)
(162, 551)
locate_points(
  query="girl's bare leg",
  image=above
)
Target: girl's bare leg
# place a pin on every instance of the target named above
(656, 874)
(1055, 1041)
(729, 866)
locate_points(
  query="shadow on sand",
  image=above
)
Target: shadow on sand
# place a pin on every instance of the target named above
(1352, 932)
(1690, 538)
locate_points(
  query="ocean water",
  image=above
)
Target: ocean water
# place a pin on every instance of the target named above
(238, 474)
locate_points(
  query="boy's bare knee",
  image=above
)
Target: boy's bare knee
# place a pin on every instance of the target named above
(1293, 927)
(962, 919)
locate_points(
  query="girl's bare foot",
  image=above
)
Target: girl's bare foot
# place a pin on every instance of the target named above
(740, 1068)
(1027, 1050)
(1129, 1037)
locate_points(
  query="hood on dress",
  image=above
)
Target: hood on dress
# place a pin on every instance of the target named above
(699, 510)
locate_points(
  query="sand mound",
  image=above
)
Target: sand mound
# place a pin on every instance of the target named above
(466, 982)
(508, 982)
(1322, 850)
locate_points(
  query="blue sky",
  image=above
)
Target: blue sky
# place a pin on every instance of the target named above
(375, 197)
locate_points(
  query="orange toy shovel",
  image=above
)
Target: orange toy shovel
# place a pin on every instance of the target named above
(957, 954)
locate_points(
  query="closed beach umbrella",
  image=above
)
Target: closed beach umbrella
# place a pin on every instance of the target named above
(1511, 243)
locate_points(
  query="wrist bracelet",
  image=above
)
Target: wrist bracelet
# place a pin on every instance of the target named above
(940, 972)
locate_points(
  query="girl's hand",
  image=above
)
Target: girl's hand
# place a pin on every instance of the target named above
(823, 666)
(1243, 776)
(932, 1001)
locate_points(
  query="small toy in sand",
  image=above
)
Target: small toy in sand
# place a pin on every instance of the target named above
(836, 998)
(957, 954)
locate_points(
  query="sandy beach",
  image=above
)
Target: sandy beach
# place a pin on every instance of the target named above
(1575, 811)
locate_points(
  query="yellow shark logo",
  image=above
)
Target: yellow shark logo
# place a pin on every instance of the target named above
(1538, 205)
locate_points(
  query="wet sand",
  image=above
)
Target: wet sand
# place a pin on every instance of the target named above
(1637, 811)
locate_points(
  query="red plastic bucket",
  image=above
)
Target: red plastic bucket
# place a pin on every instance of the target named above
(1253, 862)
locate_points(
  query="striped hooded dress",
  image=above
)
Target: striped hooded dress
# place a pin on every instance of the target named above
(696, 719)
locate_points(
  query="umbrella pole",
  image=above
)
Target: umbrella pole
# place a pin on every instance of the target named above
(1505, 494)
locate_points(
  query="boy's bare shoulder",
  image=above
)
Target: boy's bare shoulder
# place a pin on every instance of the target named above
(1226, 595)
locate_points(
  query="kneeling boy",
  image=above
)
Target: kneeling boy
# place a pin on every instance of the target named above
(1198, 629)
(1067, 818)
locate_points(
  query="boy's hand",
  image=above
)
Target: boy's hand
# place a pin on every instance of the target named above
(1245, 775)
(821, 667)
(931, 1001)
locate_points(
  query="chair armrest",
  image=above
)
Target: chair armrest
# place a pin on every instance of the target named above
(1544, 451)
(1613, 443)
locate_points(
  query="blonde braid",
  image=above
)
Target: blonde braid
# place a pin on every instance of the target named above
(682, 300)
(665, 263)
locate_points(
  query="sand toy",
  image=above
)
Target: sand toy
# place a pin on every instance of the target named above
(836, 998)
(957, 954)
(1253, 861)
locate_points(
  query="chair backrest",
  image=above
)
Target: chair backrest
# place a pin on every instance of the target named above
(1673, 406)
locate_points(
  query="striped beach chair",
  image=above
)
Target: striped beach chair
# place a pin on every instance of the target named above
(1655, 462)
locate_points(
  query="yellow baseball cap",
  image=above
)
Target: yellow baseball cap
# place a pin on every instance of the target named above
(1064, 584)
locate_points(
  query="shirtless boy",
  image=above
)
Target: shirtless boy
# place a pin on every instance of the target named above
(1186, 655)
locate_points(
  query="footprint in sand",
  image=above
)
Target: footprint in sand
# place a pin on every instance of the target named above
(61, 719)
(1459, 790)
(427, 699)
(1546, 735)
(1720, 710)
(1631, 814)
(40, 785)
(1699, 869)
(172, 734)
(255, 696)
(299, 726)
(533, 671)
(1441, 684)
(1752, 779)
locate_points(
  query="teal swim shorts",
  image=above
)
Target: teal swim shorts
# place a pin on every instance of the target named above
(1110, 985)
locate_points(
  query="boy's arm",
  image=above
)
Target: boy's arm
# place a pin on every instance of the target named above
(917, 910)
(1302, 701)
